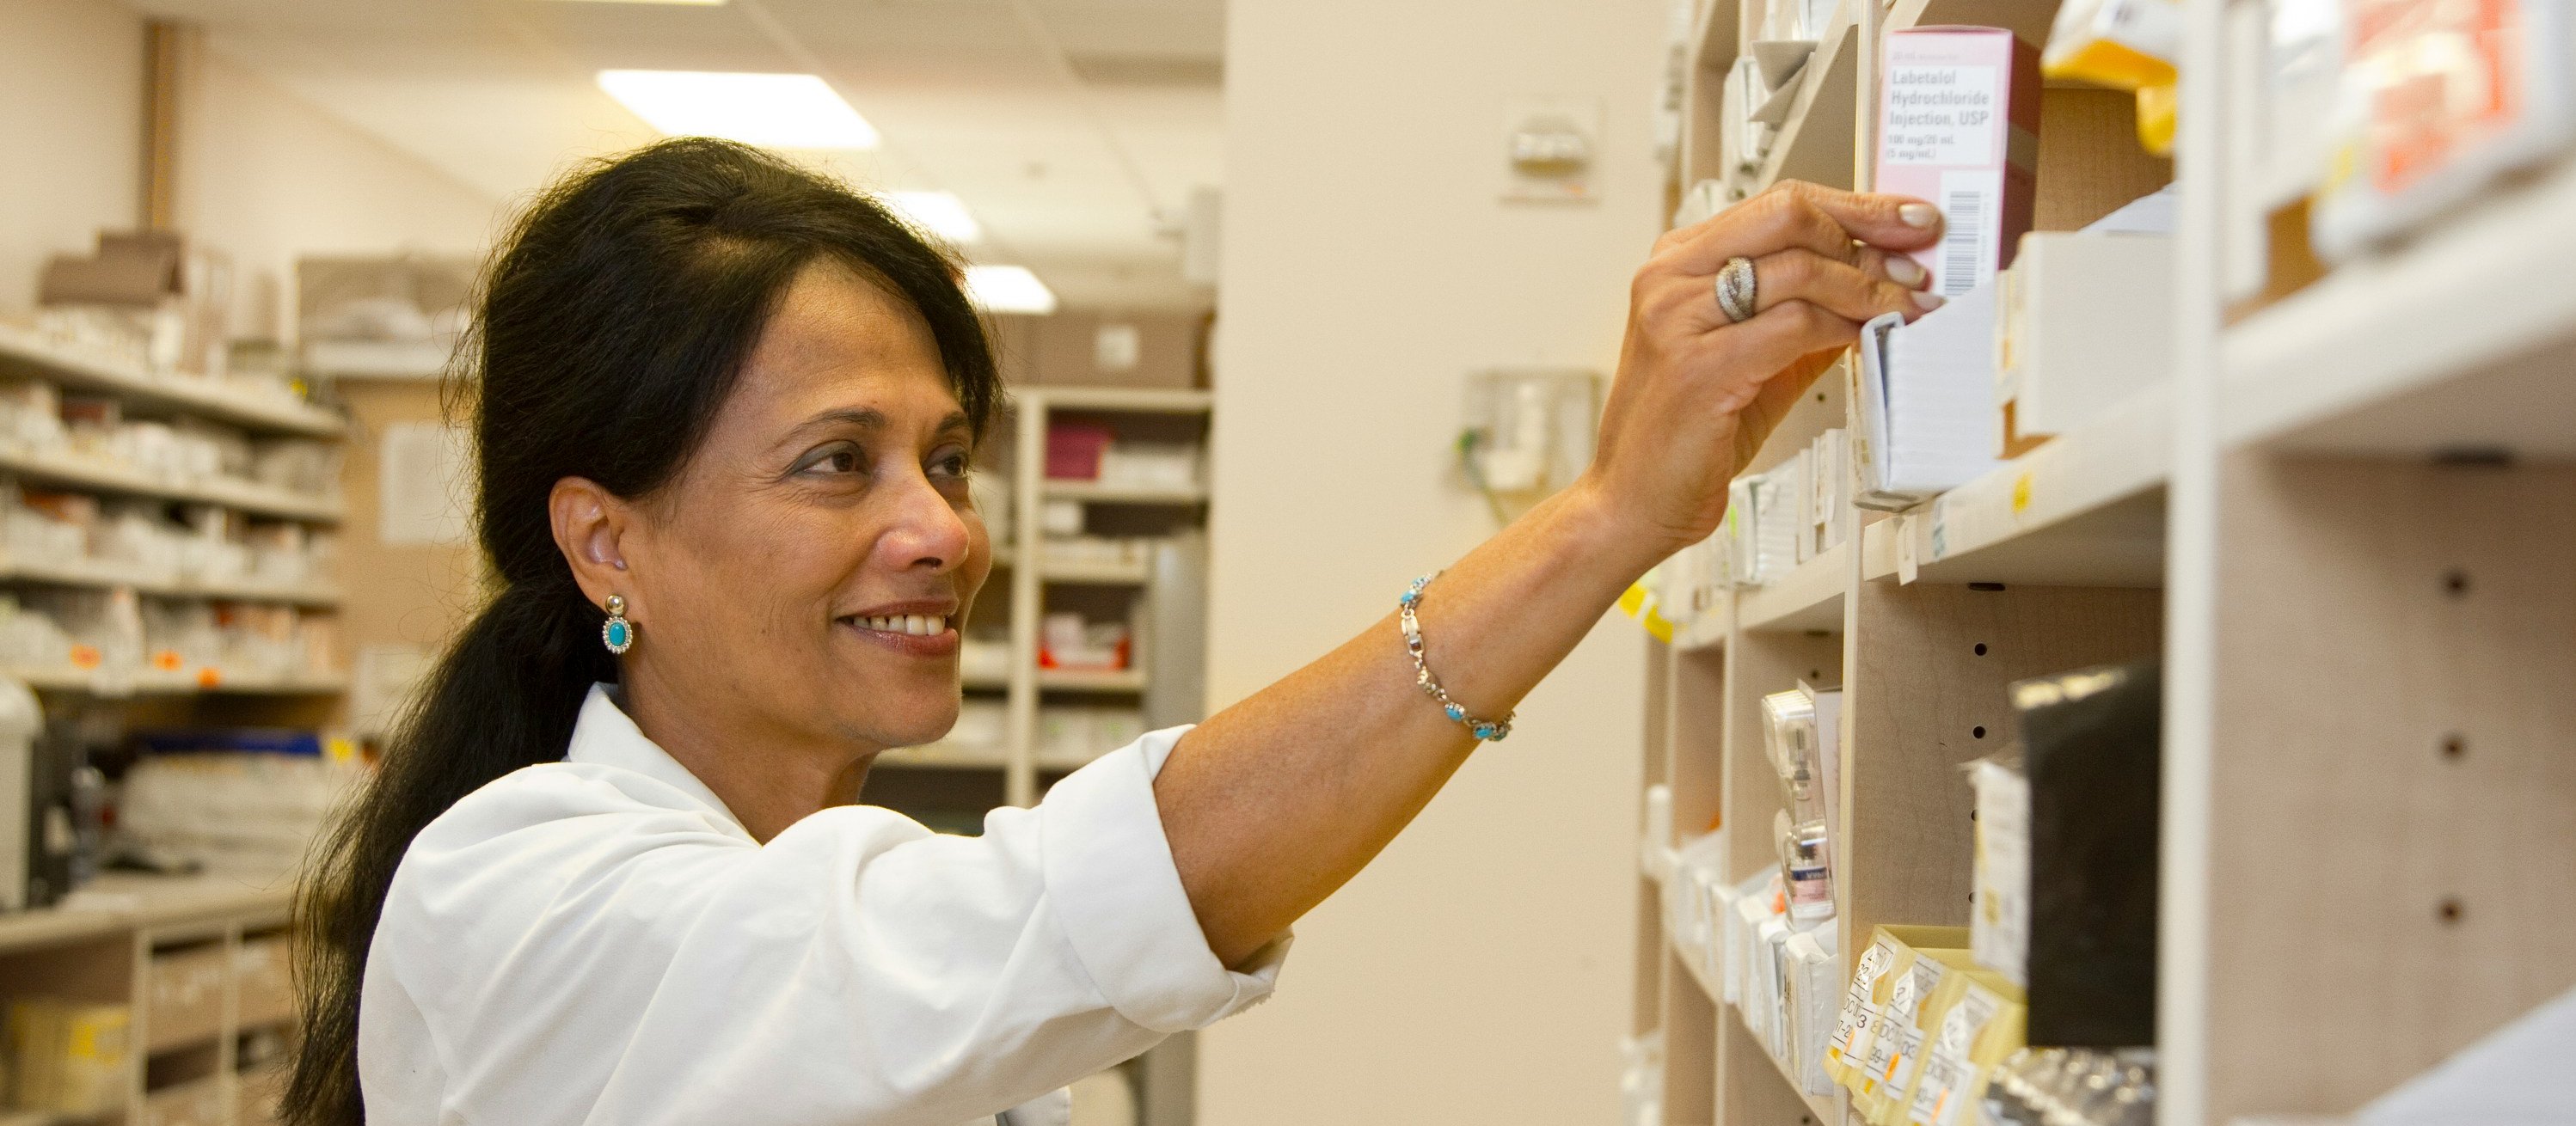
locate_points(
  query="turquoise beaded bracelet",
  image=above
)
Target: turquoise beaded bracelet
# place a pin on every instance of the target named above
(1491, 731)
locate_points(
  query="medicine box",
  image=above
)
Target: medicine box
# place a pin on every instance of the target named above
(1959, 126)
(2084, 323)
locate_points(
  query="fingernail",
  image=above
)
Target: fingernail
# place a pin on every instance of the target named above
(1928, 301)
(1919, 215)
(1905, 272)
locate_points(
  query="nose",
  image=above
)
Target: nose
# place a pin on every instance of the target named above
(927, 532)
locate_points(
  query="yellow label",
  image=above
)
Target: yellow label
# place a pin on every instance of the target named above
(2021, 493)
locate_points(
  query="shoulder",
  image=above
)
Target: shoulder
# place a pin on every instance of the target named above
(522, 843)
(571, 797)
(528, 842)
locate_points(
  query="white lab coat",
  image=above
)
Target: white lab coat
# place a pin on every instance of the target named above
(598, 941)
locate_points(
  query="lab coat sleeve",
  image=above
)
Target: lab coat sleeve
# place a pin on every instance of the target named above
(854, 970)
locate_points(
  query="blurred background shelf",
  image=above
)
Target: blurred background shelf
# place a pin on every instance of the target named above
(99, 575)
(157, 682)
(1077, 680)
(69, 469)
(1123, 494)
(2453, 345)
(1808, 598)
(23, 353)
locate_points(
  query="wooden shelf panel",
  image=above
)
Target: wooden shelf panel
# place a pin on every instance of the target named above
(1822, 1106)
(23, 353)
(1816, 142)
(1706, 631)
(1810, 597)
(77, 472)
(2457, 342)
(1757, 1088)
(2396, 689)
(2086, 509)
(2028, 19)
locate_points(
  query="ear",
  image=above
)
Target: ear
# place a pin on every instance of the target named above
(590, 524)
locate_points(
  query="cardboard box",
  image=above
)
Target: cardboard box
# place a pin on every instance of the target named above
(179, 295)
(1081, 349)
(1959, 126)
(2072, 336)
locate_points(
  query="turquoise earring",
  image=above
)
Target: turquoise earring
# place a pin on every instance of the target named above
(617, 633)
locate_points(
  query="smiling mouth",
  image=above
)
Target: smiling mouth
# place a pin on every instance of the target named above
(913, 635)
(915, 625)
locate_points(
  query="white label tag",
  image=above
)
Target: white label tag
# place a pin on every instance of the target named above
(1906, 563)
(1896, 1037)
(1855, 1012)
(1946, 1066)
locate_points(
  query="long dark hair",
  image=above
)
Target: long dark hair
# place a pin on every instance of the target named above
(613, 323)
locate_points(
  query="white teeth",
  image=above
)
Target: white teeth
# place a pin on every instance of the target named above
(918, 625)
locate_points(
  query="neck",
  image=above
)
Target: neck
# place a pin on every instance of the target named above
(768, 779)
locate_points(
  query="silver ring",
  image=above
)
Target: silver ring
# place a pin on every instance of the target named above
(1735, 289)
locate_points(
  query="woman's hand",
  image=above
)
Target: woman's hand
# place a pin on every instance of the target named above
(1696, 393)
(1276, 801)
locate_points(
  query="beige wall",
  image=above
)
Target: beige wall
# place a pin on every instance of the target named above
(267, 177)
(264, 175)
(1478, 972)
(71, 126)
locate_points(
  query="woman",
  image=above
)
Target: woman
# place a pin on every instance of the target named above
(613, 870)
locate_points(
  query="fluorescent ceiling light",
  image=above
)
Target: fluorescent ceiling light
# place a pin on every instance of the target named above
(940, 213)
(1008, 289)
(797, 111)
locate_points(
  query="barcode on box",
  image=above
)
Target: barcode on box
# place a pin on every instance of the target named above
(1963, 241)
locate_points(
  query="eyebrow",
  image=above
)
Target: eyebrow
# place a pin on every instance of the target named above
(861, 417)
(868, 418)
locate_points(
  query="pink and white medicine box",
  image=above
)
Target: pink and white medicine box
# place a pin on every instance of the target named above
(1958, 124)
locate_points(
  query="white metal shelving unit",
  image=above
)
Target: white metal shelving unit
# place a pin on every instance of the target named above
(2346, 521)
(261, 412)
(24, 353)
(1024, 574)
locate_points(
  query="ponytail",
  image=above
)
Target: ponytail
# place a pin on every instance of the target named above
(610, 329)
(505, 696)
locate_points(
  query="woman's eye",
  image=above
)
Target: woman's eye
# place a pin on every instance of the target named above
(953, 464)
(832, 459)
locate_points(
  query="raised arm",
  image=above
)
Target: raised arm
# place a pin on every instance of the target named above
(1275, 802)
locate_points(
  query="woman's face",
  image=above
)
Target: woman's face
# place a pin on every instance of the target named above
(806, 575)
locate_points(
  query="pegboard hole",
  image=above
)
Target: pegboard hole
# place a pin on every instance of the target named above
(1979, 732)
(2451, 911)
(2454, 747)
(2456, 583)
(1981, 648)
